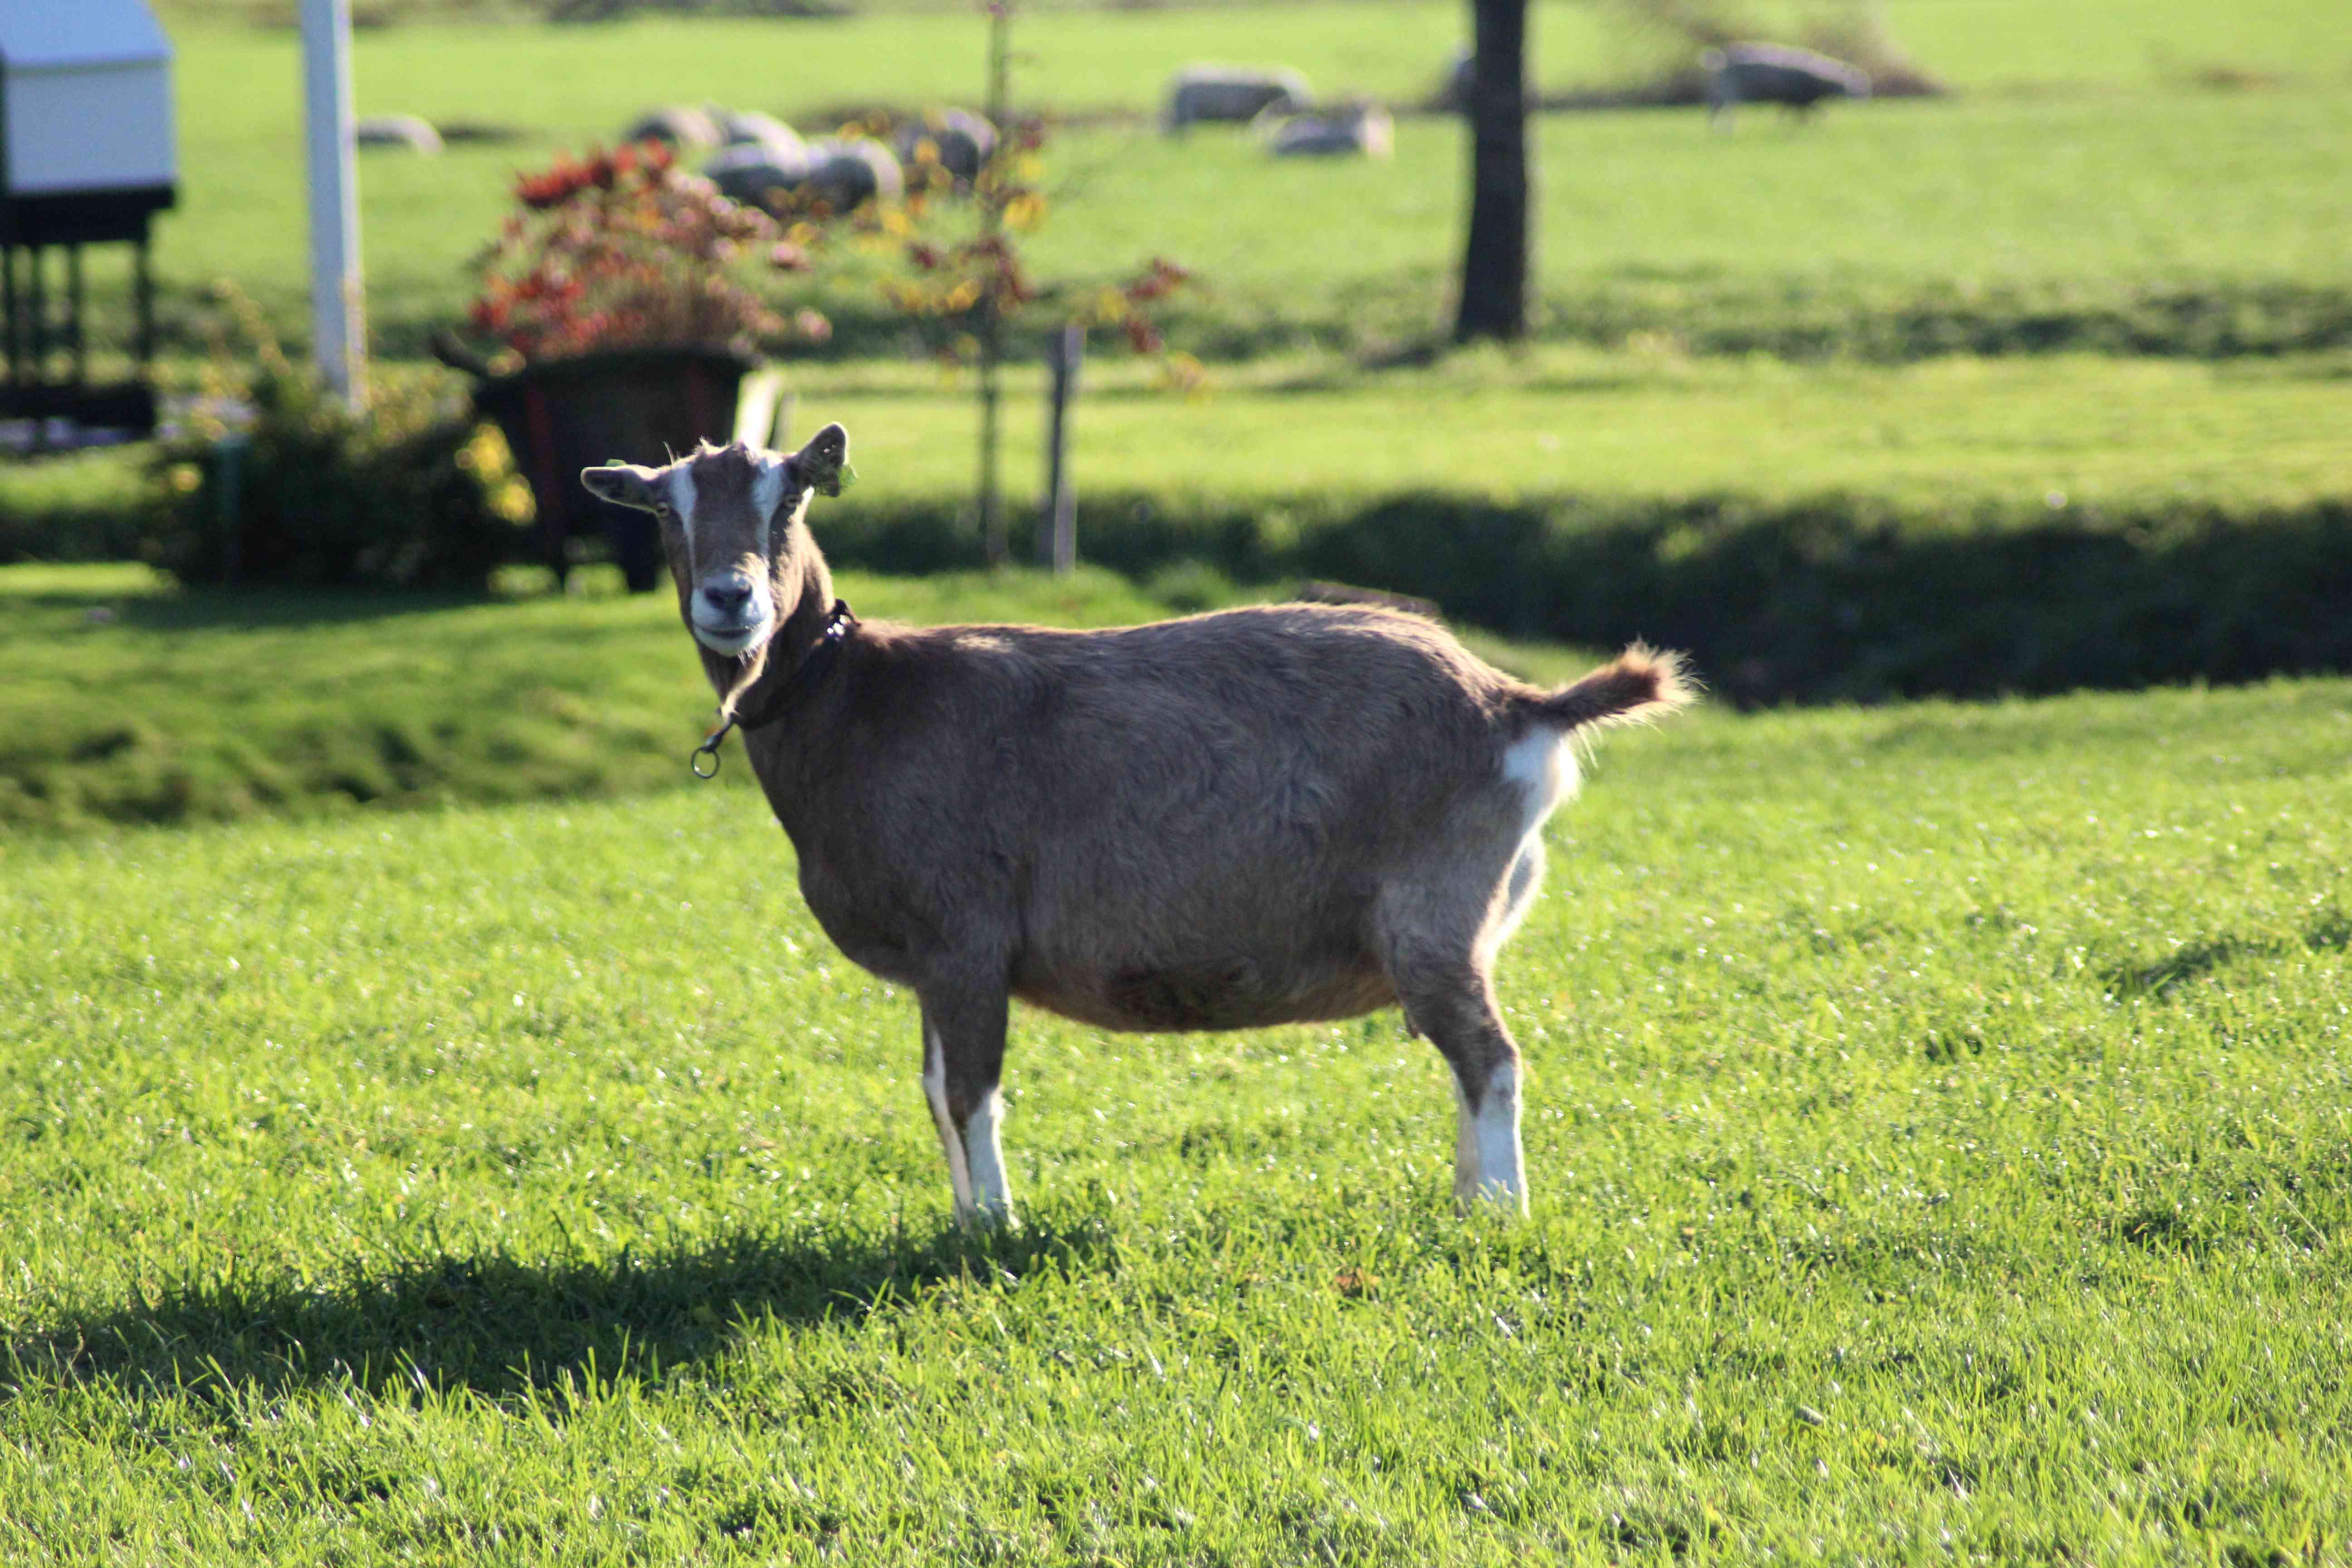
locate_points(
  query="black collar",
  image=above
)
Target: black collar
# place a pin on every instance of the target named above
(812, 669)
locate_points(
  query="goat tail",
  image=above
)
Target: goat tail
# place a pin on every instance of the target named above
(1642, 684)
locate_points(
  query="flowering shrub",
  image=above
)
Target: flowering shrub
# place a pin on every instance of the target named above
(272, 479)
(623, 250)
(965, 283)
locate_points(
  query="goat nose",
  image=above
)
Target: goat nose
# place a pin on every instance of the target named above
(727, 597)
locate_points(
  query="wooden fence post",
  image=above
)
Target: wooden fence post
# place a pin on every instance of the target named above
(1057, 519)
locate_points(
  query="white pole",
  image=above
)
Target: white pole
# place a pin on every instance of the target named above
(338, 299)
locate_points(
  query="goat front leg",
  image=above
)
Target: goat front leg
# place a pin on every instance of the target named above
(963, 1057)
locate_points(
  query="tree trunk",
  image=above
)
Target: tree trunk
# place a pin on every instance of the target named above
(1494, 260)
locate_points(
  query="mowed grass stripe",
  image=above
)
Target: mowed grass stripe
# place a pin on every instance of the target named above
(1934, 439)
(126, 701)
(1938, 1135)
(123, 700)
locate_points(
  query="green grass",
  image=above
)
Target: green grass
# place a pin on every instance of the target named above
(1939, 436)
(85, 505)
(2144, 222)
(1938, 1118)
(1939, 1129)
(2080, 195)
(123, 700)
(2020, 45)
(1936, 439)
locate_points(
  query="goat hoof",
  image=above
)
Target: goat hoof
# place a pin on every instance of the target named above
(1491, 1203)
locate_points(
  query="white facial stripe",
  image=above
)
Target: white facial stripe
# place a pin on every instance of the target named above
(935, 1089)
(984, 1155)
(681, 498)
(768, 491)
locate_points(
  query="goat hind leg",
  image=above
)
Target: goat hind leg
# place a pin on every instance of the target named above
(1456, 1007)
(964, 1058)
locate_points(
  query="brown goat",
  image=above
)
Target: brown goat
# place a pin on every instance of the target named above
(1262, 815)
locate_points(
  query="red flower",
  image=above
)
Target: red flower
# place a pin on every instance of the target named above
(1162, 278)
(617, 248)
(559, 185)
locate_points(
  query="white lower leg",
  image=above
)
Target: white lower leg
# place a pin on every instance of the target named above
(1492, 1132)
(983, 1150)
(935, 1089)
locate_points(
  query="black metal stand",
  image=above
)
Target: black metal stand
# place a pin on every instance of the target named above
(35, 335)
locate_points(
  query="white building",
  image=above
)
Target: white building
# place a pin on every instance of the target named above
(87, 156)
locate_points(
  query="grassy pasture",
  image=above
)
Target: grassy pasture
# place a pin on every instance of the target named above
(2056, 204)
(1938, 1115)
(124, 701)
(1936, 437)
(1385, 47)
(1932, 439)
(190, 707)
(1938, 1126)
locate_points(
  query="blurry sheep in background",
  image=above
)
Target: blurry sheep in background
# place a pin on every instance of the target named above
(758, 175)
(961, 141)
(1357, 130)
(682, 127)
(1775, 73)
(1231, 95)
(766, 130)
(845, 171)
(835, 174)
(397, 131)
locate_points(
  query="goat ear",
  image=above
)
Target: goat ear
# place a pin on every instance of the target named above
(624, 484)
(822, 464)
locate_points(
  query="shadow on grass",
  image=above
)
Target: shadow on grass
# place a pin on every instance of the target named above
(241, 609)
(208, 609)
(496, 1324)
(2330, 930)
